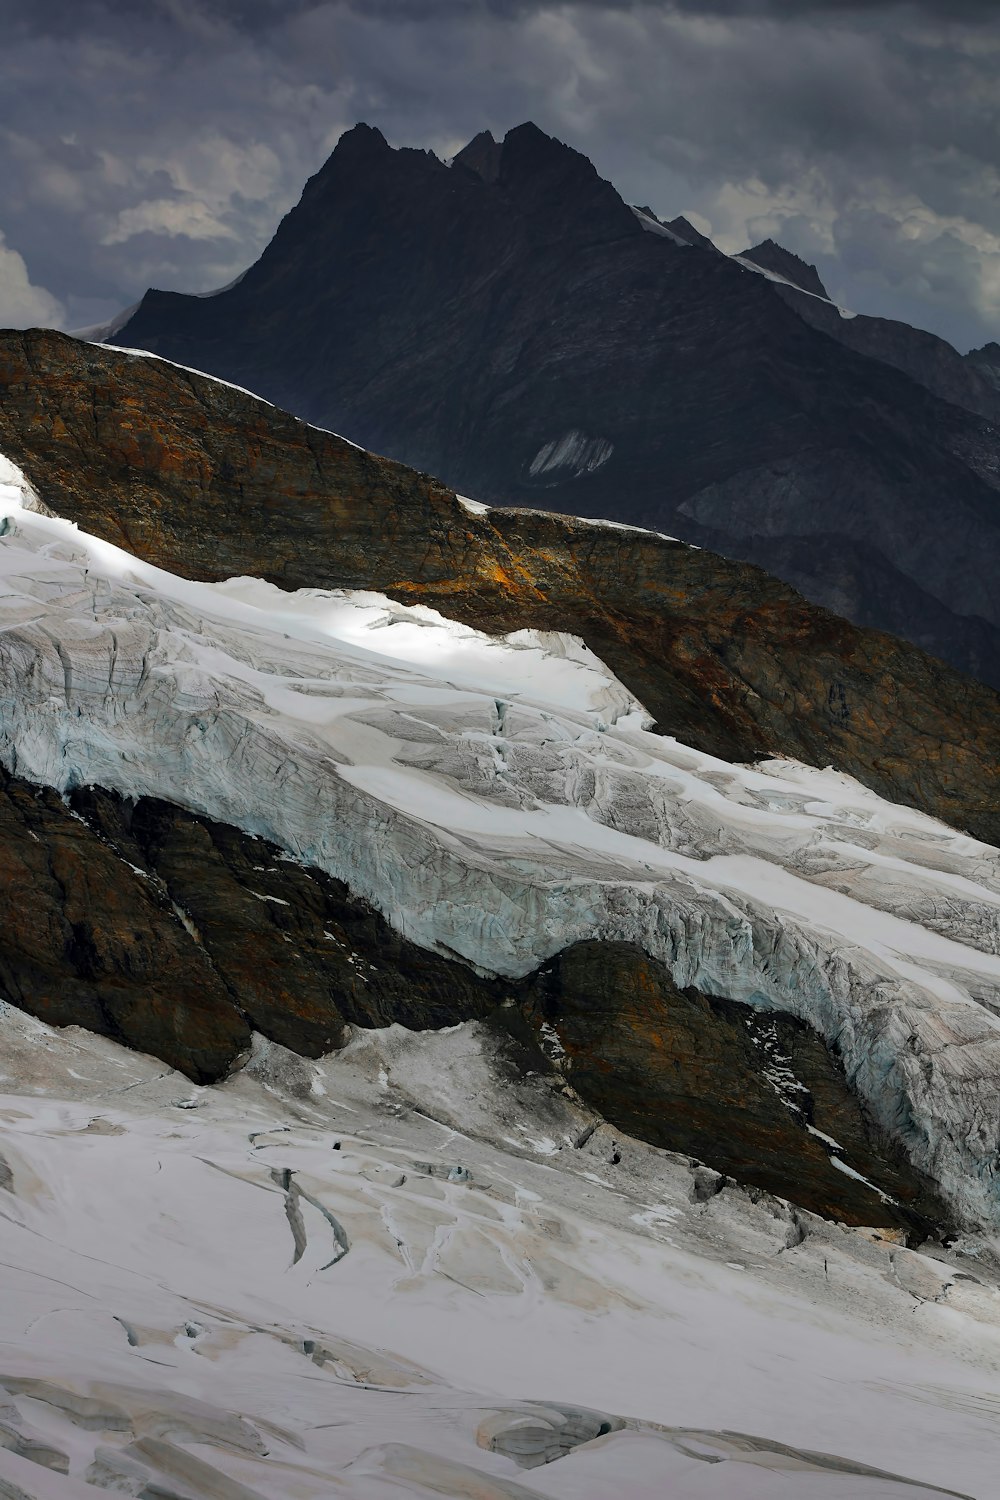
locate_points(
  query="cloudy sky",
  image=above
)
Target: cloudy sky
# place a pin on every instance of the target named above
(158, 142)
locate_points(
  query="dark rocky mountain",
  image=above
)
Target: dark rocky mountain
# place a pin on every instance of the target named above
(179, 935)
(986, 362)
(510, 323)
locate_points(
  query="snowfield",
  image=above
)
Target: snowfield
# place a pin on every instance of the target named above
(308, 1282)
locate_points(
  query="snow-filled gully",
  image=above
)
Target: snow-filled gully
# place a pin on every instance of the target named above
(500, 799)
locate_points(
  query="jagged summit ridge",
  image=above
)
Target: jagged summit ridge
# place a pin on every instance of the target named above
(774, 257)
(482, 156)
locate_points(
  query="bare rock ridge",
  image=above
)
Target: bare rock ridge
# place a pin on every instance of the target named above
(525, 319)
(683, 227)
(774, 257)
(208, 482)
(481, 156)
(177, 935)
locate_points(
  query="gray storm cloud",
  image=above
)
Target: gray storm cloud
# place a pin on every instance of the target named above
(159, 141)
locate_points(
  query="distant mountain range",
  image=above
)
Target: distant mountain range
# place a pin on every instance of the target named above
(507, 321)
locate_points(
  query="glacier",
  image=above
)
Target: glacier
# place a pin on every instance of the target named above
(348, 1277)
(502, 798)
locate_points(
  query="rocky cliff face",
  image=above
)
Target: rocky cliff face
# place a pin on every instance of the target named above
(670, 1066)
(207, 482)
(527, 340)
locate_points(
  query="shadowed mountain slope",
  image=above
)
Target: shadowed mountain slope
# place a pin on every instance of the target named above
(510, 324)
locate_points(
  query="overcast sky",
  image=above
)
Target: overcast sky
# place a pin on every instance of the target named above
(158, 142)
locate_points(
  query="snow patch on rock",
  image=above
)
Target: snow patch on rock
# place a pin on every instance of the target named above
(572, 455)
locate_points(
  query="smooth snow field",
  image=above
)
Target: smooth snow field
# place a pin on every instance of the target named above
(386, 1274)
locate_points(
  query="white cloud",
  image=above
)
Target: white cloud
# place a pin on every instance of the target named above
(23, 305)
(170, 216)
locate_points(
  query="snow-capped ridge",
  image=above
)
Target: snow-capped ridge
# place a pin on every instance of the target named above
(654, 226)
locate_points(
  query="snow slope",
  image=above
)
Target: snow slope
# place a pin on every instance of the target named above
(501, 799)
(308, 1282)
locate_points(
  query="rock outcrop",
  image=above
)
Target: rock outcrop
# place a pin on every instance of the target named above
(670, 1066)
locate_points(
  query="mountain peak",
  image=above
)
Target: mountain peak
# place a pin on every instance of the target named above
(686, 231)
(357, 149)
(556, 184)
(481, 156)
(771, 256)
(528, 145)
(361, 139)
